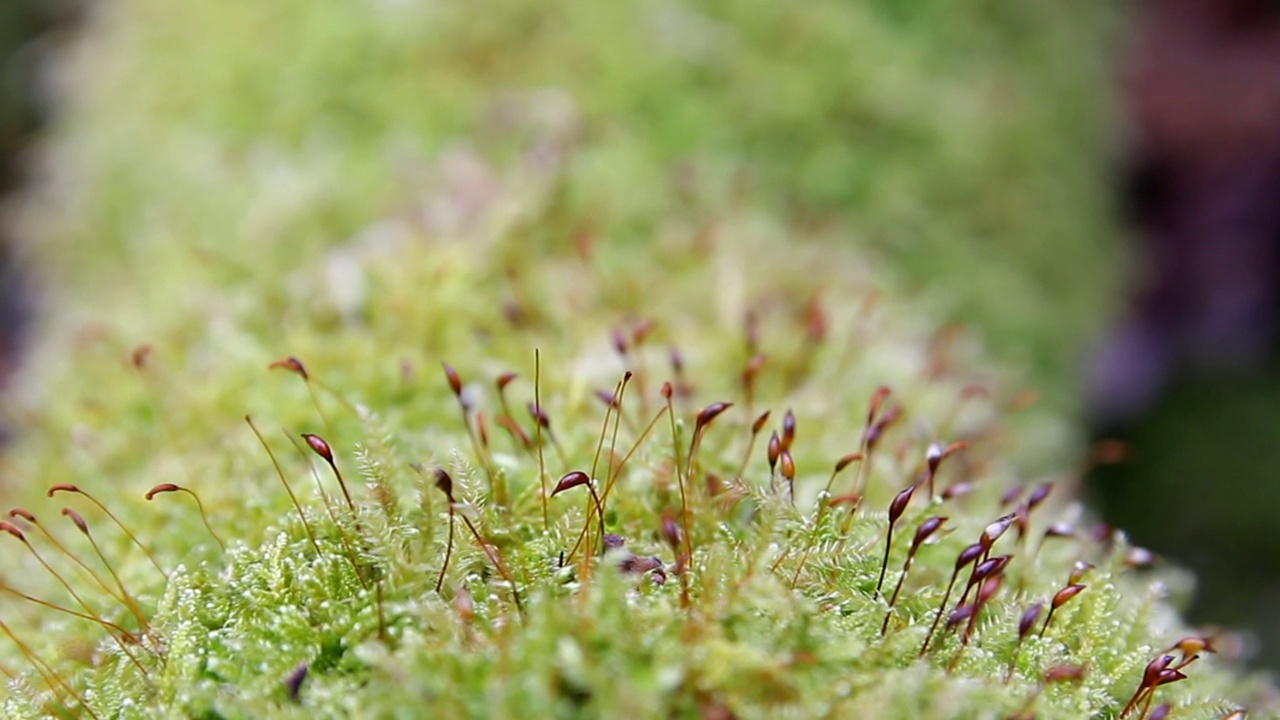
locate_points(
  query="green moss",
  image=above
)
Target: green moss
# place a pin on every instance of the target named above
(762, 634)
(964, 144)
(292, 184)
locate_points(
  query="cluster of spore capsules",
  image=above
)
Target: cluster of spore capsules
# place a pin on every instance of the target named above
(978, 576)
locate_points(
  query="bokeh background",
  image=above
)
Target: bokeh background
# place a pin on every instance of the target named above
(1058, 179)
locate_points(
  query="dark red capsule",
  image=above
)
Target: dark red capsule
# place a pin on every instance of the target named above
(900, 502)
(455, 382)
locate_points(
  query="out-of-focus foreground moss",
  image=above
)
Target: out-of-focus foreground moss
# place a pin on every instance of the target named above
(380, 187)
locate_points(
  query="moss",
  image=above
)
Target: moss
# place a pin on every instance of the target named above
(291, 202)
(957, 143)
(762, 632)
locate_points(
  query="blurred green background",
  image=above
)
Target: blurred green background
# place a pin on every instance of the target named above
(969, 148)
(966, 145)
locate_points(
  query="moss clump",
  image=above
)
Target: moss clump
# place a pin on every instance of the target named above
(771, 608)
(325, 217)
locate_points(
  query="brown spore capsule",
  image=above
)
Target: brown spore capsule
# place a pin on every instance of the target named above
(75, 517)
(291, 364)
(1025, 624)
(13, 530)
(1060, 598)
(1028, 619)
(319, 446)
(847, 460)
(788, 429)
(444, 483)
(455, 382)
(709, 413)
(1078, 571)
(1063, 596)
(933, 457)
(968, 555)
(959, 615)
(896, 508)
(161, 488)
(540, 416)
(62, 487)
(873, 406)
(1011, 495)
(926, 529)
(899, 504)
(570, 480)
(992, 532)
(1039, 494)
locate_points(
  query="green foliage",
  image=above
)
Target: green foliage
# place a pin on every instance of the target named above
(964, 143)
(768, 629)
(243, 182)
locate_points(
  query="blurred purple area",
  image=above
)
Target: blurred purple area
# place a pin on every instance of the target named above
(1200, 85)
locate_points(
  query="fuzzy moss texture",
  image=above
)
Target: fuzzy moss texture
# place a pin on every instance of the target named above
(379, 188)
